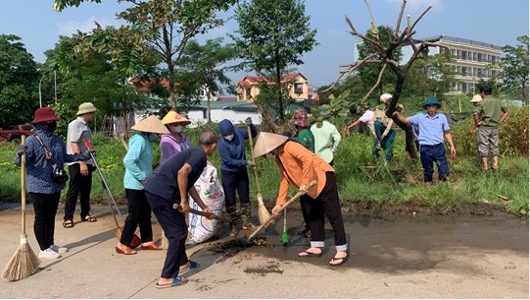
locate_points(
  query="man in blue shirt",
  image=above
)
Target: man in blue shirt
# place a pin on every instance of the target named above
(433, 126)
(171, 183)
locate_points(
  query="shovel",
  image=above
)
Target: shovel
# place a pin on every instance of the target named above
(293, 199)
(200, 213)
(263, 213)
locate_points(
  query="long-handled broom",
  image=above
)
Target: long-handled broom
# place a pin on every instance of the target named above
(268, 221)
(285, 235)
(136, 241)
(24, 262)
(263, 213)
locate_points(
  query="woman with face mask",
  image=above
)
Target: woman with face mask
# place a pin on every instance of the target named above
(45, 152)
(175, 141)
(138, 167)
(234, 173)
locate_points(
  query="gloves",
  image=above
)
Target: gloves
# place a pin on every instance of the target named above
(250, 163)
(21, 149)
(248, 121)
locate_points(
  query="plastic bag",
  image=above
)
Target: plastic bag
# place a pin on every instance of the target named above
(211, 192)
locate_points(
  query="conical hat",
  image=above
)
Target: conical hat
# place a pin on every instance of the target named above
(173, 117)
(151, 124)
(476, 98)
(267, 142)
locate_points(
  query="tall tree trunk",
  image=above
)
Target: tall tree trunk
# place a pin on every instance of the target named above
(208, 107)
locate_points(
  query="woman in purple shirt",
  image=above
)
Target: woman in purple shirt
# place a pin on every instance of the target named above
(176, 141)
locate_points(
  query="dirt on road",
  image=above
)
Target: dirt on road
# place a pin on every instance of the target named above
(402, 257)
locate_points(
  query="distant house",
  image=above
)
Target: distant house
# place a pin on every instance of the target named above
(248, 88)
(235, 111)
(144, 87)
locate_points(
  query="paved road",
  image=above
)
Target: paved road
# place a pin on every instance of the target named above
(405, 258)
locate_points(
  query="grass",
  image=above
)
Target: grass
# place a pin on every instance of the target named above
(360, 177)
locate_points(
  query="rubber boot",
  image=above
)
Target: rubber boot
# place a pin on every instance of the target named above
(246, 215)
(234, 217)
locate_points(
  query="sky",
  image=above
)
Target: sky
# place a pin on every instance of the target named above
(498, 22)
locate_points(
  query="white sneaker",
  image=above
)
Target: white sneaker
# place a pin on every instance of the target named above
(58, 249)
(49, 254)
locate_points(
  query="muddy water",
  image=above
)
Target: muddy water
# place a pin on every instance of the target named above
(397, 245)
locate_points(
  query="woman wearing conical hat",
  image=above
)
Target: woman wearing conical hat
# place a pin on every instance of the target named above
(298, 167)
(175, 141)
(138, 167)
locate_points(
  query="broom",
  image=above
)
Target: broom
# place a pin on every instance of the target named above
(263, 213)
(267, 222)
(24, 262)
(285, 236)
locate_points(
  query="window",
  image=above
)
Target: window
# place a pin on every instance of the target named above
(299, 88)
(474, 56)
(464, 54)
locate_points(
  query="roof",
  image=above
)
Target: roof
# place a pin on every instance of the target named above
(232, 105)
(142, 85)
(443, 37)
(248, 80)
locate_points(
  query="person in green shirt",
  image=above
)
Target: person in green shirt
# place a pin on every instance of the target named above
(303, 135)
(488, 114)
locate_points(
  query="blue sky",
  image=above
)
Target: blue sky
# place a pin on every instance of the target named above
(493, 21)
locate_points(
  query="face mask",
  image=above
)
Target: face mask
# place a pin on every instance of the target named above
(51, 126)
(152, 137)
(229, 137)
(177, 128)
(269, 155)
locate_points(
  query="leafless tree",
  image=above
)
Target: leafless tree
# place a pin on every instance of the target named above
(383, 54)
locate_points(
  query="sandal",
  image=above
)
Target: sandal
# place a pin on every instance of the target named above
(68, 224)
(191, 265)
(89, 218)
(341, 259)
(309, 254)
(177, 281)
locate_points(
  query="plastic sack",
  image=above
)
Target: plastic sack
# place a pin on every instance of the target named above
(211, 192)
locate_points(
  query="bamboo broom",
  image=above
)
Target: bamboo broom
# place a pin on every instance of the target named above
(24, 262)
(263, 213)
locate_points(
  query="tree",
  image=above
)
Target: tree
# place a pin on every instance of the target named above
(369, 73)
(18, 82)
(273, 36)
(205, 65)
(165, 26)
(431, 75)
(384, 54)
(514, 65)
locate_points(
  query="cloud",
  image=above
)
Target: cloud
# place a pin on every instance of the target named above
(69, 28)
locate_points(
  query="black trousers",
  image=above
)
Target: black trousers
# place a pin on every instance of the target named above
(139, 214)
(174, 225)
(307, 198)
(327, 203)
(45, 206)
(235, 181)
(78, 185)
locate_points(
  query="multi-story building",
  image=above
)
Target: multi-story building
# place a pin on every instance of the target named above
(249, 87)
(471, 59)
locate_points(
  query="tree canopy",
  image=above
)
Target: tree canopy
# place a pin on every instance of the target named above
(514, 66)
(272, 37)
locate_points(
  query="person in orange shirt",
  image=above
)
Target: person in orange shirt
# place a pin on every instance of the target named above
(299, 166)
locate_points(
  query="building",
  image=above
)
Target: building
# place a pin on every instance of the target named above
(249, 87)
(143, 87)
(471, 59)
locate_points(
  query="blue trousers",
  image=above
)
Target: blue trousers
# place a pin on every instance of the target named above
(430, 155)
(173, 223)
(387, 143)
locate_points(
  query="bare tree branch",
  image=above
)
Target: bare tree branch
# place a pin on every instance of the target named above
(381, 72)
(420, 17)
(374, 26)
(403, 4)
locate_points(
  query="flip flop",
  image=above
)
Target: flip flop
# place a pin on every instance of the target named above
(309, 254)
(342, 259)
(177, 281)
(190, 266)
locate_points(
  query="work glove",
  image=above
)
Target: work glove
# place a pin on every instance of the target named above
(248, 121)
(22, 149)
(251, 163)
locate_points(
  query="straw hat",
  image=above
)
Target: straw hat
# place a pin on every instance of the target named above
(151, 124)
(86, 108)
(267, 142)
(384, 98)
(173, 117)
(475, 99)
